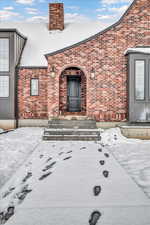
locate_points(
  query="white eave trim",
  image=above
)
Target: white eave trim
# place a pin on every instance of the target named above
(140, 50)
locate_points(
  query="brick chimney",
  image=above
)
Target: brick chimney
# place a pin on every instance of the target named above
(56, 16)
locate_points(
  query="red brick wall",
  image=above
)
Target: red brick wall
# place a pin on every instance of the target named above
(31, 107)
(107, 94)
(106, 97)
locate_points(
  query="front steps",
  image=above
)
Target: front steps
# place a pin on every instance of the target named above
(72, 130)
(71, 134)
(72, 124)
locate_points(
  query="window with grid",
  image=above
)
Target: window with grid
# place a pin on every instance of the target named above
(4, 54)
(4, 86)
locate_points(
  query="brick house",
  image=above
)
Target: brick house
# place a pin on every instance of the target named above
(59, 69)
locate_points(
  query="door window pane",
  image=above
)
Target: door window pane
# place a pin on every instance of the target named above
(34, 87)
(4, 86)
(139, 79)
(4, 54)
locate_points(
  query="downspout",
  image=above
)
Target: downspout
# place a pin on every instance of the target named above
(16, 85)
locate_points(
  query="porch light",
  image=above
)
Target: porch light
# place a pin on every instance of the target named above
(52, 72)
(92, 74)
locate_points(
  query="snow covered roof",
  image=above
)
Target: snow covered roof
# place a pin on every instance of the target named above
(41, 41)
(144, 50)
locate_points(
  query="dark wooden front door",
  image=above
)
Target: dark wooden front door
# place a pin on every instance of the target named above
(74, 94)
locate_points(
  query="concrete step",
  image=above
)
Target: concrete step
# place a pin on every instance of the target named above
(71, 126)
(80, 124)
(71, 132)
(71, 138)
(79, 130)
(72, 120)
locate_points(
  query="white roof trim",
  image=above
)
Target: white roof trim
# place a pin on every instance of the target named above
(142, 50)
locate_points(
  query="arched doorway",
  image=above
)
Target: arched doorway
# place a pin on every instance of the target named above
(72, 92)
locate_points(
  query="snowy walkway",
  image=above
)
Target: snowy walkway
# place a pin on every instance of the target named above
(64, 195)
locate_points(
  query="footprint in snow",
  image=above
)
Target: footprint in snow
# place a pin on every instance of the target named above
(10, 190)
(67, 158)
(105, 173)
(50, 158)
(49, 166)
(29, 174)
(4, 216)
(115, 137)
(82, 148)
(102, 162)
(9, 213)
(106, 155)
(68, 152)
(102, 145)
(95, 216)
(97, 190)
(41, 156)
(45, 175)
(100, 150)
(60, 153)
(23, 193)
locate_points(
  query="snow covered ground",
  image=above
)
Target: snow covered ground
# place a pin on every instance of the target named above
(55, 185)
(15, 147)
(1, 130)
(132, 154)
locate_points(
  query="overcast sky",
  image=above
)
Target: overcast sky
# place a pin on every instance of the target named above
(106, 11)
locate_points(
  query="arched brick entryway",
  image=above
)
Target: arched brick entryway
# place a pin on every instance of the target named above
(72, 79)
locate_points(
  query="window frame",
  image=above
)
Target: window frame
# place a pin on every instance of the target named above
(31, 86)
(148, 79)
(135, 97)
(7, 71)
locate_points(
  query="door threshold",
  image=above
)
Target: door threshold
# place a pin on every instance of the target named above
(74, 114)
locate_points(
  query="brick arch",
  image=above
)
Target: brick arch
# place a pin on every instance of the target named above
(71, 71)
(67, 66)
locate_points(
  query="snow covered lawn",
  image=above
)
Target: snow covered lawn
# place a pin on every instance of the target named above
(15, 147)
(132, 154)
(57, 184)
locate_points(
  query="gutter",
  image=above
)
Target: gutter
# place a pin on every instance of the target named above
(13, 30)
(32, 67)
